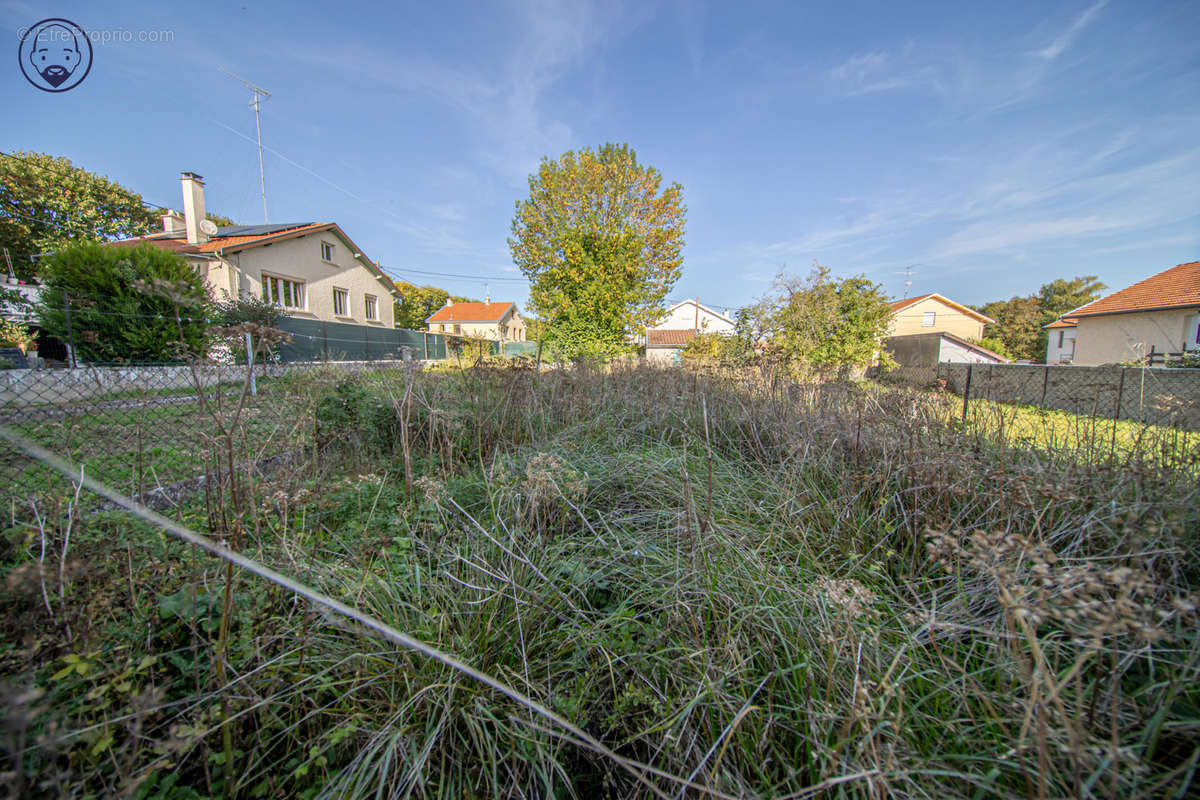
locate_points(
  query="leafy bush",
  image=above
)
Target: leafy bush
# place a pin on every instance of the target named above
(127, 303)
(15, 334)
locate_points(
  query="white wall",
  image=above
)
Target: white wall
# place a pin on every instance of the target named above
(663, 356)
(299, 259)
(954, 353)
(1060, 353)
(683, 317)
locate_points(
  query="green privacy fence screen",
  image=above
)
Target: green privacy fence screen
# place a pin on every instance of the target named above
(313, 340)
(518, 349)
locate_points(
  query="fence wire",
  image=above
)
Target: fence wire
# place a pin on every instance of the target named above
(1150, 395)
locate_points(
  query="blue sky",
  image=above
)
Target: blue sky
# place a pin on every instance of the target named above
(992, 146)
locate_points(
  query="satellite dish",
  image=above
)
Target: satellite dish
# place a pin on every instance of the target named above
(208, 227)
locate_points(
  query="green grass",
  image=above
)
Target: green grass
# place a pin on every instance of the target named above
(729, 580)
(1087, 436)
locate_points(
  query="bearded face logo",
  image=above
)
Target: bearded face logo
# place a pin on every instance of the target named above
(55, 54)
(58, 52)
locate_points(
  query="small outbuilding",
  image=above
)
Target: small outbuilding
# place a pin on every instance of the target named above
(939, 347)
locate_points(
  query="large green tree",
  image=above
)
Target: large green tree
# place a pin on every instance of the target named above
(126, 303)
(1020, 320)
(601, 242)
(46, 202)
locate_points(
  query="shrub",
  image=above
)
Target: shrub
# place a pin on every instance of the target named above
(127, 303)
(15, 334)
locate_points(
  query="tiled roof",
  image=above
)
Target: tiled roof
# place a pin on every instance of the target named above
(242, 237)
(669, 338)
(177, 242)
(1065, 322)
(471, 312)
(900, 305)
(1177, 287)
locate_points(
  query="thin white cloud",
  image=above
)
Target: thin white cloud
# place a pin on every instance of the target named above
(989, 237)
(880, 71)
(1063, 41)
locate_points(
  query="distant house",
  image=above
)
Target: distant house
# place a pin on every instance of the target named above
(310, 270)
(1158, 315)
(931, 313)
(666, 340)
(499, 322)
(931, 329)
(938, 347)
(1060, 345)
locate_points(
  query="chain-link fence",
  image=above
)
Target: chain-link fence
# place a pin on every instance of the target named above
(161, 433)
(1153, 395)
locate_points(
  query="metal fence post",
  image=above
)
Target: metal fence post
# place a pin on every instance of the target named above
(70, 333)
(1120, 395)
(250, 364)
(1112, 445)
(366, 344)
(325, 339)
(425, 344)
(967, 391)
(1045, 381)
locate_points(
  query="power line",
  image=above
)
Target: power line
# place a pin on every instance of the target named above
(412, 271)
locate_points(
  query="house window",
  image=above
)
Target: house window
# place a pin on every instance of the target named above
(1061, 334)
(457, 328)
(1192, 342)
(283, 292)
(371, 307)
(341, 302)
(930, 319)
(326, 251)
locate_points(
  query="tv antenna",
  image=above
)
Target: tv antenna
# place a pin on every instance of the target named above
(257, 94)
(908, 272)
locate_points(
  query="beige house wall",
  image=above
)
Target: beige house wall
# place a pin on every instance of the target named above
(509, 328)
(299, 259)
(910, 320)
(1114, 338)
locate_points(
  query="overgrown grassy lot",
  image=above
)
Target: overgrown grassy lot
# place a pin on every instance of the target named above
(743, 587)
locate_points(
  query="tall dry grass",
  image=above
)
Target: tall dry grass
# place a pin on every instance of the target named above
(756, 588)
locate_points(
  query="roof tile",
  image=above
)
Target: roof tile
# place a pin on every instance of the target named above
(1176, 287)
(669, 338)
(471, 312)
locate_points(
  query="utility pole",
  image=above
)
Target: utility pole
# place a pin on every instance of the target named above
(257, 94)
(908, 271)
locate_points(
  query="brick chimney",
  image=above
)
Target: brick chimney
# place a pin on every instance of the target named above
(172, 222)
(193, 207)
